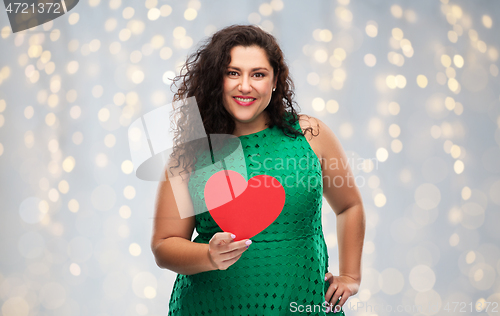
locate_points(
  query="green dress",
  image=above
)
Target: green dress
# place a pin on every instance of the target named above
(283, 270)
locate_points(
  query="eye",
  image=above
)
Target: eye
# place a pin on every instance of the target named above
(232, 73)
(260, 75)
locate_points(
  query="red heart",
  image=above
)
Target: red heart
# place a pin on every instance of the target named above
(243, 208)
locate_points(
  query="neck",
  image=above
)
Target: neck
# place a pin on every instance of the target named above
(255, 126)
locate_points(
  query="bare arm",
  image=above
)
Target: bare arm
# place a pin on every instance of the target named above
(343, 196)
(345, 199)
(171, 240)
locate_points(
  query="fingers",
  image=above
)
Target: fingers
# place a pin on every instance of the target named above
(235, 248)
(335, 307)
(225, 242)
(232, 260)
(333, 293)
(332, 288)
(336, 291)
(222, 238)
(329, 277)
(345, 296)
(225, 251)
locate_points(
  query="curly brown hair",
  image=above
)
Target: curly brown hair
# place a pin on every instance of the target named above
(202, 77)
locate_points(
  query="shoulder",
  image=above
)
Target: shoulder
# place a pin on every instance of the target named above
(312, 128)
(320, 137)
(309, 126)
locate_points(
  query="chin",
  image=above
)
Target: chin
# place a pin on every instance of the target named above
(243, 118)
(243, 115)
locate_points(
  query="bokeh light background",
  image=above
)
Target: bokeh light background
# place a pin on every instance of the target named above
(411, 89)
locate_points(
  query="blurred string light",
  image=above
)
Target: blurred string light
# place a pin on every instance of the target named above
(427, 195)
(50, 59)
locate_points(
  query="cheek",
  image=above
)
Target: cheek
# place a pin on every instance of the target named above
(266, 90)
(228, 85)
(226, 96)
(265, 87)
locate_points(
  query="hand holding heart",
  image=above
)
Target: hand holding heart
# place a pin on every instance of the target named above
(223, 251)
(241, 207)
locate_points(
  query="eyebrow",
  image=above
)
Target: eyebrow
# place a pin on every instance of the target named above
(253, 69)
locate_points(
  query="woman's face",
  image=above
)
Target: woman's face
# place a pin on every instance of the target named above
(248, 84)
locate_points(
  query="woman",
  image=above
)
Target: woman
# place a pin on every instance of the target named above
(242, 87)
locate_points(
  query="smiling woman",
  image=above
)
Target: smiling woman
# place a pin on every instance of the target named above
(248, 86)
(243, 88)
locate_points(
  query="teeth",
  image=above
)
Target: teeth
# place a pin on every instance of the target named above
(243, 100)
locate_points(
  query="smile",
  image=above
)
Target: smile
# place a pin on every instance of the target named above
(244, 101)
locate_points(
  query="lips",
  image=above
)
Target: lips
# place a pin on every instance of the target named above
(245, 101)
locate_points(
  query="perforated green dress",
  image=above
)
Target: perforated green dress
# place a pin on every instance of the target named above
(283, 270)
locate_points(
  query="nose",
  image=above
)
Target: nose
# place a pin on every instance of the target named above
(245, 86)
